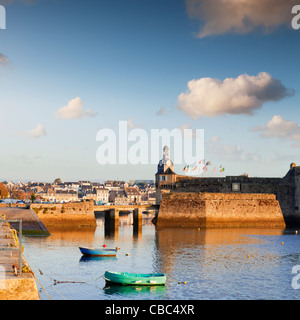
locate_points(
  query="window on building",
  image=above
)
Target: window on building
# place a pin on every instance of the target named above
(236, 186)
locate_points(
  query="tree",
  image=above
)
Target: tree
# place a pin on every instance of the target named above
(33, 197)
(57, 181)
(3, 191)
(19, 194)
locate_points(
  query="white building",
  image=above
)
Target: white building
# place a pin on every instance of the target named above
(102, 195)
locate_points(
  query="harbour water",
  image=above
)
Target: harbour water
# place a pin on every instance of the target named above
(215, 263)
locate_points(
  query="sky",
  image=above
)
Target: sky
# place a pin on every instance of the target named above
(70, 68)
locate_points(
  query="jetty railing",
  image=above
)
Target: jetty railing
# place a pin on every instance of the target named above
(20, 242)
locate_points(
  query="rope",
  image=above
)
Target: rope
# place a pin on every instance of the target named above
(56, 291)
(43, 288)
(42, 274)
(55, 281)
(178, 282)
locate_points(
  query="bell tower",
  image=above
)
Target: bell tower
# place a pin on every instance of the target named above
(165, 163)
(165, 175)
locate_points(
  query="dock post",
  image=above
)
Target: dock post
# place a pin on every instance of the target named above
(137, 221)
(20, 247)
(111, 225)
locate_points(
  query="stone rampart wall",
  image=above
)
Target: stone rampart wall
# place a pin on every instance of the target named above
(219, 210)
(282, 188)
(66, 214)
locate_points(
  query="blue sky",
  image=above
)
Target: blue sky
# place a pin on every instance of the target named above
(130, 59)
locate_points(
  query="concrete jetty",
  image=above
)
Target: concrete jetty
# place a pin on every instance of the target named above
(32, 224)
(12, 285)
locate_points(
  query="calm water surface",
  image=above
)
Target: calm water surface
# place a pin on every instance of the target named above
(215, 263)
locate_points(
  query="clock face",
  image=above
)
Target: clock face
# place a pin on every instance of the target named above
(169, 163)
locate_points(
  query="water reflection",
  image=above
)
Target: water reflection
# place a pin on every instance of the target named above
(134, 290)
(92, 259)
(214, 263)
(211, 247)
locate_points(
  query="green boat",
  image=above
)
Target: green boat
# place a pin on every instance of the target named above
(127, 279)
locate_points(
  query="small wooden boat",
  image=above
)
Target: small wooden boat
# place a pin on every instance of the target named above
(136, 279)
(98, 252)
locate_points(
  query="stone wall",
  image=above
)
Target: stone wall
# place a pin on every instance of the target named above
(66, 214)
(284, 189)
(12, 205)
(219, 210)
(12, 286)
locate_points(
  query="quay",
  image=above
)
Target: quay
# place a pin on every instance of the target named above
(13, 284)
(85, 214)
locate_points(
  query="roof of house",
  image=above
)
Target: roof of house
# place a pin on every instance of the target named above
(132, 191)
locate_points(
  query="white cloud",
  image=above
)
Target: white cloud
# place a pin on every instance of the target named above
(190, 134)
(74, 110)
(280, 128)
(210, 97)
(132, 125)
(239, 16)
(161, 111)
(37, 132)
(230, 151)
(3, 60)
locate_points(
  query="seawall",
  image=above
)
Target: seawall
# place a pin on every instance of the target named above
(12, 286)
(79, 214)
(219, 210)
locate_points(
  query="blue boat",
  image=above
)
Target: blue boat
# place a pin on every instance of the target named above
(98, 252)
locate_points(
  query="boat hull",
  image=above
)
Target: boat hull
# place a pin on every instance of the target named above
(134, 279)
(98, 252)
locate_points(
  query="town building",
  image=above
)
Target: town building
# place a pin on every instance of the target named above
(102, 195)
(133, 195)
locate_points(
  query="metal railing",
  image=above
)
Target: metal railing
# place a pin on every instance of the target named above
(20, 242)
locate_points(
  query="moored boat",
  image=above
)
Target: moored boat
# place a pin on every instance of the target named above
(126, 278)
(98, 252)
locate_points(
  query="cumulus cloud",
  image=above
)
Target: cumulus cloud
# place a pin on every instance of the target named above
(242, 95)
(74, 110)
(217, 17)
(280, 128)
(37, 132)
